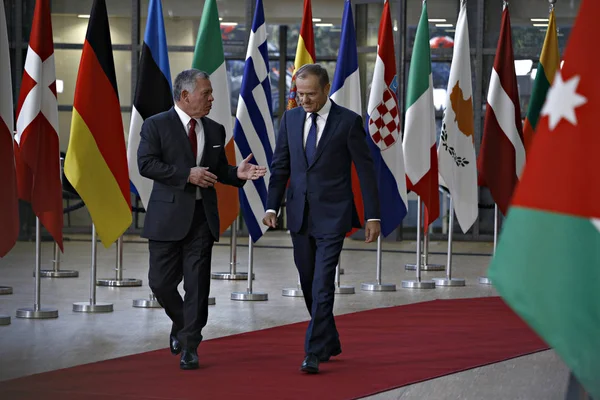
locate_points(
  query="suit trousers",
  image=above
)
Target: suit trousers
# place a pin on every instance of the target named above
(188, 259)
(316, 256)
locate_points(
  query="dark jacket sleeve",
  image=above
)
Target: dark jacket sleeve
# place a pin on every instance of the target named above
(361, 156)
(280, 167)
(226, 173)
(150, 163)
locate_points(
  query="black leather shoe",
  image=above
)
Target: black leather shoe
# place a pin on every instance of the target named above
(174, 345)
(335, 352)
(310, 364)
(189, 359)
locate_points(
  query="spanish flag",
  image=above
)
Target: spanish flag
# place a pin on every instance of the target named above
(549, 64)
(96, 161)
(305, 52)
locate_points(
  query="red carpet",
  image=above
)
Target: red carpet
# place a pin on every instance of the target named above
(382, 349)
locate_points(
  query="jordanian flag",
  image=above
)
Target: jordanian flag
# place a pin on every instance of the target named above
(547, 67)
(547, 264)
(209, 57)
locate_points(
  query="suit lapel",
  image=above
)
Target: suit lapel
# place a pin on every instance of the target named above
(181, 135)
(298, 136)
(328, 131)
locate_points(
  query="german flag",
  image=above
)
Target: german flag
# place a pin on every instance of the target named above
(96, 161)
(305, 51)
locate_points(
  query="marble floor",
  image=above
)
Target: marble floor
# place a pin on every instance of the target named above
(33, 346)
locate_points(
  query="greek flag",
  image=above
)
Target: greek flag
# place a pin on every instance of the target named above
(253, 131)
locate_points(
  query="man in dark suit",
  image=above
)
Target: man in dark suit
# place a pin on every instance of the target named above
(183, 152)
(316, 146)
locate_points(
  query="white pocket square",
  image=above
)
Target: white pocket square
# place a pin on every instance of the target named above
(216, 145)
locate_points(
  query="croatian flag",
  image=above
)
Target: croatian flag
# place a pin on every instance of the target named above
(253, 131)
(384, 126)
(345, 90)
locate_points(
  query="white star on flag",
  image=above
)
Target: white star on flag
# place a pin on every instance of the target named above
(562, 101)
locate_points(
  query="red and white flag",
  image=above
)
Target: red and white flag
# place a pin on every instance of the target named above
(502, 154)
(38, 154)
(9, 204)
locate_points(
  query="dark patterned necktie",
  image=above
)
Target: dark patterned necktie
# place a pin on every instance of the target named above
(311, 139)
(193, 138)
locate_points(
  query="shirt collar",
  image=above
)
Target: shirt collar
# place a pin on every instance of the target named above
(324, 111)
(185, 119)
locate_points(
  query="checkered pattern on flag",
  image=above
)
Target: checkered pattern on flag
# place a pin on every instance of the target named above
(384, 122)
(384, 130)
(253, 131)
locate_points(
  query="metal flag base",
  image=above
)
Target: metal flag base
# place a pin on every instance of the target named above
(449, 282)
(378, 287)
(212, 301)
(246, 296)
(88, 307)
(4, 320)
(341, 289)
(126, 282)
(418, 284)
(6, 290)
(150, 302)
(32, 313)
(428, 267)
(292, 292)
(62, 273)
(484, 280)
(228, 276)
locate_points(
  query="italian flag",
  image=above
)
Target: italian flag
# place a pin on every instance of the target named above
(420, 152)
(209, 57)
(547, 67)
(547, 264)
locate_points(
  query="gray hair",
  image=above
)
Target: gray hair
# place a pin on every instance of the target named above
(186, 80)
(315, 70)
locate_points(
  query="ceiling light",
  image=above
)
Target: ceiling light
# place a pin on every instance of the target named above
(539, 19)
(83, 16)
(437, 19)
(317, 19)
(444, 25)
(323, 24)
(229, 23)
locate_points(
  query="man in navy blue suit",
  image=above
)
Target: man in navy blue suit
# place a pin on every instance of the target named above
(316, 146)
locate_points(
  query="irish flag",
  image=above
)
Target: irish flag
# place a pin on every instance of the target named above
(209, 57)
(547, 67)
(305, 52)
(420, 152)
(547, 263)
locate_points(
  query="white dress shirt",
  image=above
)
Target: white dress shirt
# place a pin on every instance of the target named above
(185, 120)
(321, 121)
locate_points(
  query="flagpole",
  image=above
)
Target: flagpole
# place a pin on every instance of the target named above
(93, 306)
(484, 280)
(37, 312)
(232, 275)
(339, 288)
(119, 281)
(418, 283)
(249, 294)
(56, 272)
(448, 280)
(378, 286)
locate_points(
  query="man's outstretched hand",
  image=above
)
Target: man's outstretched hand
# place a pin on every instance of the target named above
(250, 172)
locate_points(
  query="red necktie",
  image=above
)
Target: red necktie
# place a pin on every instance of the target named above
(193, 138)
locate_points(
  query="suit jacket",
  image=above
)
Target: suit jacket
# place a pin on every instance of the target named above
(165, 156)
(326, 184)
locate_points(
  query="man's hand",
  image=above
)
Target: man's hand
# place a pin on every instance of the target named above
(270, 220)
(200, 176)
(250, 172)
(372, 231)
